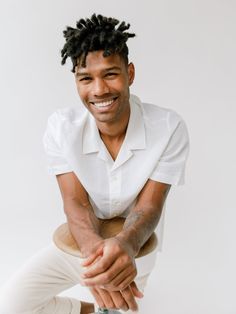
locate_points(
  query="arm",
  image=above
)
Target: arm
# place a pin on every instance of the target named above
(84, 227)
(143, 219)
(138, 227)
(83, 223)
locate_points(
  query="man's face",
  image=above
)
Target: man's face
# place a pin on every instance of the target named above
(103, 86)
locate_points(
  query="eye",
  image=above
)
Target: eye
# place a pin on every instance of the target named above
(111, 74)
(86, 78)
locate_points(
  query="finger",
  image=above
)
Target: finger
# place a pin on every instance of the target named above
(112, 279)
(106, 298)
(122, 280)
(100, 267)
(92, 257)
(129, 298)
(119, 301)
(105, 278)
(136, 292)
(97, 297)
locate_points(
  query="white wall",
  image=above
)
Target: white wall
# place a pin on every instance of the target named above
(185, 59)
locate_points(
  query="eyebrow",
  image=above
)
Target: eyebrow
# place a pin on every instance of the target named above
(115, 68)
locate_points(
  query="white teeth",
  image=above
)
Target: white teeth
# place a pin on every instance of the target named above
(104, 104)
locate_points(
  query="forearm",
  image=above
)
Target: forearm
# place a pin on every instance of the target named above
(144, 217)
(138, 227)
(119, 252)
(83, 224)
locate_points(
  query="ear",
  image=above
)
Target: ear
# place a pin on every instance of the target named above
(131, 73)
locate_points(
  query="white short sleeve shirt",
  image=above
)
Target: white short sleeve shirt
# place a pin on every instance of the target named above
(155, 147)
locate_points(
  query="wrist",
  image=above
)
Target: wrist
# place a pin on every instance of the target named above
(88, 243)
(128, 240)
(85, 238)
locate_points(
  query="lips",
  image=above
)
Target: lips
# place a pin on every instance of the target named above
(103, 103)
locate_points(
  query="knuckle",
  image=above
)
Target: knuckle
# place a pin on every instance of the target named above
(110, 305)
(129, 297)
(113, 288)
(99, 300)
(116, 247)
(122, 286)
(126, 259)
(105, 287)
(121, 304)
(106, 278)
(103, 267)
(101, 304)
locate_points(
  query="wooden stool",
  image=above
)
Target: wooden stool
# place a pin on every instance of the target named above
(109, 228)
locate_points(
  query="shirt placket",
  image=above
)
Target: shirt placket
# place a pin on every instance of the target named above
(115, 192)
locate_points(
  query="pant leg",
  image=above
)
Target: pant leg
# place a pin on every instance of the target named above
(145, 266)
(141, 283)
(33, 289)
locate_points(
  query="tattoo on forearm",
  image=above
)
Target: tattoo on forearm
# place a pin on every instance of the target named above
(141, 222)
(132, 218)
(141, 231)
(148, 221)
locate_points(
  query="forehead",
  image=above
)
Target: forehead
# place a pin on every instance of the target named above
(95, 61)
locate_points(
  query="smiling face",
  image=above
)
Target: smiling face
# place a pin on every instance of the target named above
(103, 86)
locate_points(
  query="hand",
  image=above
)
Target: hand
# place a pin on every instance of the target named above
(119, 300)
(94, 246)
(111, 266)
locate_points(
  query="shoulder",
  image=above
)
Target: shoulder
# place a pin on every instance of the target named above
(156, 116)
(67, 115)
(65, 120)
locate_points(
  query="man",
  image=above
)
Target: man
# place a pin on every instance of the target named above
(117, 157)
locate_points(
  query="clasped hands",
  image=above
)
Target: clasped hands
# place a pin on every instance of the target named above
(110, 272)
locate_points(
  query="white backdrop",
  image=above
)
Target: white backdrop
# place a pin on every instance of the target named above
(184, 54)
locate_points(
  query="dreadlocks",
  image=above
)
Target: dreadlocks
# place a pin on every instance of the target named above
(96, 33)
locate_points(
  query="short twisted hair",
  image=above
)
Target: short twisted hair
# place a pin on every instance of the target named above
(97, 33)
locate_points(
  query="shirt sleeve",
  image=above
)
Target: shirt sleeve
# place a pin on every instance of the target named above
(170, 168)
(57, 163)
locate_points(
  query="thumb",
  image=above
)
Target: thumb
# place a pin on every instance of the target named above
(92, 257)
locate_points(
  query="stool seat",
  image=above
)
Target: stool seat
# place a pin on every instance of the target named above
(64, 240)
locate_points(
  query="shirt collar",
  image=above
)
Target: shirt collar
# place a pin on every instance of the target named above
(91, 136)
(136, 134)
(135, 138)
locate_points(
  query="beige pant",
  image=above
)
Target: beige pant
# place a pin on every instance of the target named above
(34, 288)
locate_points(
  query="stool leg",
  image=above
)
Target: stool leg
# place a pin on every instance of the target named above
(87, 307)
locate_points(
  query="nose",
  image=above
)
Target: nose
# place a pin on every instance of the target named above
(100, 87)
